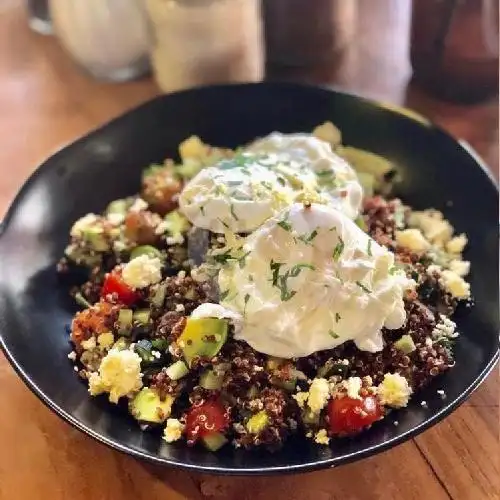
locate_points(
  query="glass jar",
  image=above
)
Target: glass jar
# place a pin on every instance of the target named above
(198, 42)
(109, 38)
(454, 48)
(305, 32)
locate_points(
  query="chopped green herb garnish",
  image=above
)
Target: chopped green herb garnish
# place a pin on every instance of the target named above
(223, 223)
(245, 300)
(339, 248)
(267, 185)
(219, 190)
(202, 210)
(222, 258)
(295, 270)
(333, 334)
(223, 295)
(325, 173)
(337, 317)
(281, 181)
(307, 239)
(369, 247)
(242, 260)
(285, 225)
(231, 208)
(275, 268)
(363, 287)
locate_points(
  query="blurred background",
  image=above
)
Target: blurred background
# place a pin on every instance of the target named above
(452, 45)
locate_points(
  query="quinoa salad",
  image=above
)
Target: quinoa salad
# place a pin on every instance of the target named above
(246, 296)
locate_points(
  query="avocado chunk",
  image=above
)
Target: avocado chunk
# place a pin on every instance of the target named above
(210, 380)
(202, 337)
(214, 441)
(405, 344)
(257, 423)
(148, 250)
(147, 406)
(177, 370)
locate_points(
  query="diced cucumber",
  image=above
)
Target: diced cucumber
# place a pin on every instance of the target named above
(160, 344)
(124, 321)
(158, 297)
(142, 316)
(210, 380)
(332, 367)
(117, 207)
(214, 441)
(143, 348)
(202, 337)
(405, 344)
(82, 301)
(146, 406)
(177, 370)
(148, 250)
(176, 224)
(95, 237)
(310, 418)
(288, 385)
(257, 423)
(121, 344)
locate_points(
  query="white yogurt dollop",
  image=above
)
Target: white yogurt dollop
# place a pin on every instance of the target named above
(312, 280)
(240, 194)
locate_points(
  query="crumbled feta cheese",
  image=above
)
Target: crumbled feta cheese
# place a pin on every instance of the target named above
(178, 239)
(119, 246)
(180, 307)
(88, 344)
(119, 375)
(460, 267)
(434, 268)
(445, 328)
(301, 398)
(423, 404)
(394, 390)
(441, 393)
(435, 228)
(82, 224)
(457, 244)
(321, 437)
(412, 239)
(105, 340)
(319, 393)
(173, 430)
(454, 284)
(138, 205)
(142, 271)
(115, 218)
(353, 386)
(72, 356)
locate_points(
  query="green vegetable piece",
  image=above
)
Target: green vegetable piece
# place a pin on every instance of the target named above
(143, 349)
(176, 224)
(257, 423)
(95, 237)
(82, 301)
(148, 250)
(124, 322)
(121, 344)
(177, 370)
(310, 418)
(202, 337)
(214, 441)
(142, 316)
(405, 344)
(210, 380)
(117, 207)
(159, 295)
(160, 344)
(332, 367)
(146, 406)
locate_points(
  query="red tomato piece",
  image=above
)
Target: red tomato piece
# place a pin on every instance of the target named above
(205, 419)
(113, 283)
(349, 415)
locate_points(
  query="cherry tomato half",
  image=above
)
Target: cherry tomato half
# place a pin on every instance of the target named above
(349, 415)
(205, 419)
(113, 283)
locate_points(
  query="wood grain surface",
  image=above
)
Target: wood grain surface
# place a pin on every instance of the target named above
(45, 102)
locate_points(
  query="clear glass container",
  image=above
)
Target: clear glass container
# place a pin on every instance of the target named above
(109, 38)
(198, 42)
(454, 48)
(306, 32)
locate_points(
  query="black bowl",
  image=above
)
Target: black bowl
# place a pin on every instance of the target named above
(34, 309)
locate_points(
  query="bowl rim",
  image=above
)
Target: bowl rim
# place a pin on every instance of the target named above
(403, 113)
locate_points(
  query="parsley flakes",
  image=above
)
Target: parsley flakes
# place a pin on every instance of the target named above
(333, 334)
(339, 248)
(363, 287)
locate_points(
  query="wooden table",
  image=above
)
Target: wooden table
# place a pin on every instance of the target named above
(45, 101)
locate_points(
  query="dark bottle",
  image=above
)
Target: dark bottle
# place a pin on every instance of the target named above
(454, 48)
